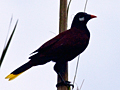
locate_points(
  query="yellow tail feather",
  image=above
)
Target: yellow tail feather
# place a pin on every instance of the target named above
(12, 76)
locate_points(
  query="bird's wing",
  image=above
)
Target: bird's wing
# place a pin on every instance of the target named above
(50, 42)
(73, 40)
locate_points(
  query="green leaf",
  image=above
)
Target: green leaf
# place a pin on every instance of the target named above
(7, 45)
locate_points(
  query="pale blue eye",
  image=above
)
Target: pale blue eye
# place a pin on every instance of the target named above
(81, 19)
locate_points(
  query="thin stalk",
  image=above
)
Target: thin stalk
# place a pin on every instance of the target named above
(7, 45)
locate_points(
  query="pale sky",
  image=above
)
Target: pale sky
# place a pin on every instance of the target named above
(38, 21)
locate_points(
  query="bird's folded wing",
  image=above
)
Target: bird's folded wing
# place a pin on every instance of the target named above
(50, 42)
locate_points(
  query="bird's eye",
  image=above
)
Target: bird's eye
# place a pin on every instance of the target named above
(81, 19)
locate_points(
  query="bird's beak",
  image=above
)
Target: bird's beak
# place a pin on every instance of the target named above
(93, 16)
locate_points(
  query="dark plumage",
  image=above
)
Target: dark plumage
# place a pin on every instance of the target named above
(62, 48)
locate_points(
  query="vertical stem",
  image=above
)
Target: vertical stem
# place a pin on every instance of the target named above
(63, 27)
(63, 16)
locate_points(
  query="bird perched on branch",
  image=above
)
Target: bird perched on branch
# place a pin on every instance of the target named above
(62, 48)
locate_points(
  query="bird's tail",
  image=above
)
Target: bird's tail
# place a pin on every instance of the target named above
(18, 71)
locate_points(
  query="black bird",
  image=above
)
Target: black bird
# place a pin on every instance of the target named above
(62, 48)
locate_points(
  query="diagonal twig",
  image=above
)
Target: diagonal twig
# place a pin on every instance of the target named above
(7, 45)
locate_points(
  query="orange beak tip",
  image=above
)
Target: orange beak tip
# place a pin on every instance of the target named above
(93, 16)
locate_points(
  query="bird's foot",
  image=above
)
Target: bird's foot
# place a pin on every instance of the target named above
(66, 83)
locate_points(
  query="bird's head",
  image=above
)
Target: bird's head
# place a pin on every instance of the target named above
(81, 18)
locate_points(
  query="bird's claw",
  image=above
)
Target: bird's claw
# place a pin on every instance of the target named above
(66, 83)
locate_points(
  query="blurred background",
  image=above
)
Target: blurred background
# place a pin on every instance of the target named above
(38, 22)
